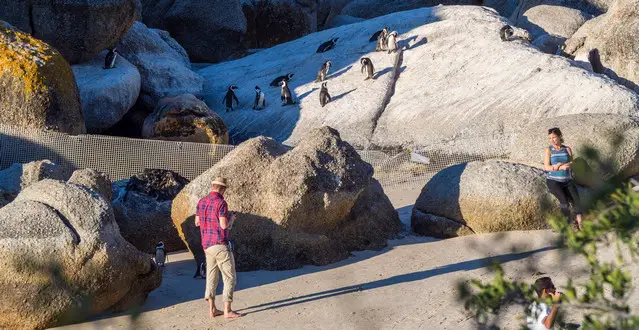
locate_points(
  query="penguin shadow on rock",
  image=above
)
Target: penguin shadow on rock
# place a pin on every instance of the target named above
(337, 97)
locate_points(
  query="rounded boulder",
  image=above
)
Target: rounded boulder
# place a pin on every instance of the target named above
(37, 86)
(106, 94)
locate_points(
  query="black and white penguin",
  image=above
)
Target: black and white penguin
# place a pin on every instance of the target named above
(326, 46)
(506, 32)
(324, 97)
(229, 97)
(260, 99)
(382, 40)
(367, 65)
(287, 97)
(276, 82)
(595, 61)
(109, 60)
(375, 35)
(391, 42)
(160, 254)
(323, 71)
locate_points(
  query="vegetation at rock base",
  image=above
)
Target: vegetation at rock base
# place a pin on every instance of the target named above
(611, 220)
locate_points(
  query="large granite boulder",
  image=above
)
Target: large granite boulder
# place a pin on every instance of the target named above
(185, 118)
(594, 130)
(37, 87)
(106, 94)
(614, 34)
(308, 205)
(142, 208)
(483, 197)
(77, 29)
(199, 24)
(18, 177)
(64, 259)
(554, 20)
(165, 71)
(452, 88)
(271, 23)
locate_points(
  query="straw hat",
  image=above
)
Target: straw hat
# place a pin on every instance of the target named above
(219, 181)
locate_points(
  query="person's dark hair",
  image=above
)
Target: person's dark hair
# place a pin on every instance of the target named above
(556, 131)
(543, 283)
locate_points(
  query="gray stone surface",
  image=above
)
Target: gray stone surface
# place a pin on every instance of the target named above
(77, 29)
(165, 72)
(17, 177)
(555, 20)
(97, 181)
(198, 24)
(614, 34)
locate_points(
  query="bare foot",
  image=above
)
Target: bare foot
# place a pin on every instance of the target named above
(216, 312)
(232, 315)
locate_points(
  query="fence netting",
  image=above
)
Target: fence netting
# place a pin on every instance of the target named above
(121, 157)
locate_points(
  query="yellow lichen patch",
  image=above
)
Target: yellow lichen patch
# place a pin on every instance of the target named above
(33, 62)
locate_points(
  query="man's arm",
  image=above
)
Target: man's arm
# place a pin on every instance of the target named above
(549, 320)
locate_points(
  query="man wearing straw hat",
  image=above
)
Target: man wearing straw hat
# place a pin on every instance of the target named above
(214, 221)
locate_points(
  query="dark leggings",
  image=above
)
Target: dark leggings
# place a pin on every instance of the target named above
(566, 193)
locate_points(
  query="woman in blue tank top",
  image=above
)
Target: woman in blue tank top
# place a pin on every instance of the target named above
(557, 161)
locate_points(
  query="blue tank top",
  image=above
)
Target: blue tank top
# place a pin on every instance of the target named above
(559, 156)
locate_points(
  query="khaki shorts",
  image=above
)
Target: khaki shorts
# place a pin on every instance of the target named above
(220, 260)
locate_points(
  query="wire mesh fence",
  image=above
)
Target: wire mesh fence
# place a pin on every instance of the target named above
(122, 158)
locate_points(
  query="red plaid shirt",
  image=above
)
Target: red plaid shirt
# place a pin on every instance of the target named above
(209, 210)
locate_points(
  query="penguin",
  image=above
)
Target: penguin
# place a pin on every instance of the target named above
(595, 61)
(109, 60)
(160, 254)
(229, 97)
(276, 81)
(324, 97)
(382, 40)
(323, 71)
(200, 270)
(367, 65)
(260, 99)
(506, 33)
(326, 46)
(560, 50)
(391, 42)
(287, 97)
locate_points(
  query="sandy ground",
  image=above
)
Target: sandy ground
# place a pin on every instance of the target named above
(409, 285)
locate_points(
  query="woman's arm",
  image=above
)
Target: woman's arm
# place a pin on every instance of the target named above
(547, 165)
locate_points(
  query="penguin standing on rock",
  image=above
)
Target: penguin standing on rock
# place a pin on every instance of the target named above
(391, 42)
(160, 254)
(287, 97)
(109, 60)
(323, 71)
(260, 99)
(382, 40)
(324, 97)
(276, 82)
(229, 97)
(326, 46)
(367, 65)
(506, 32)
